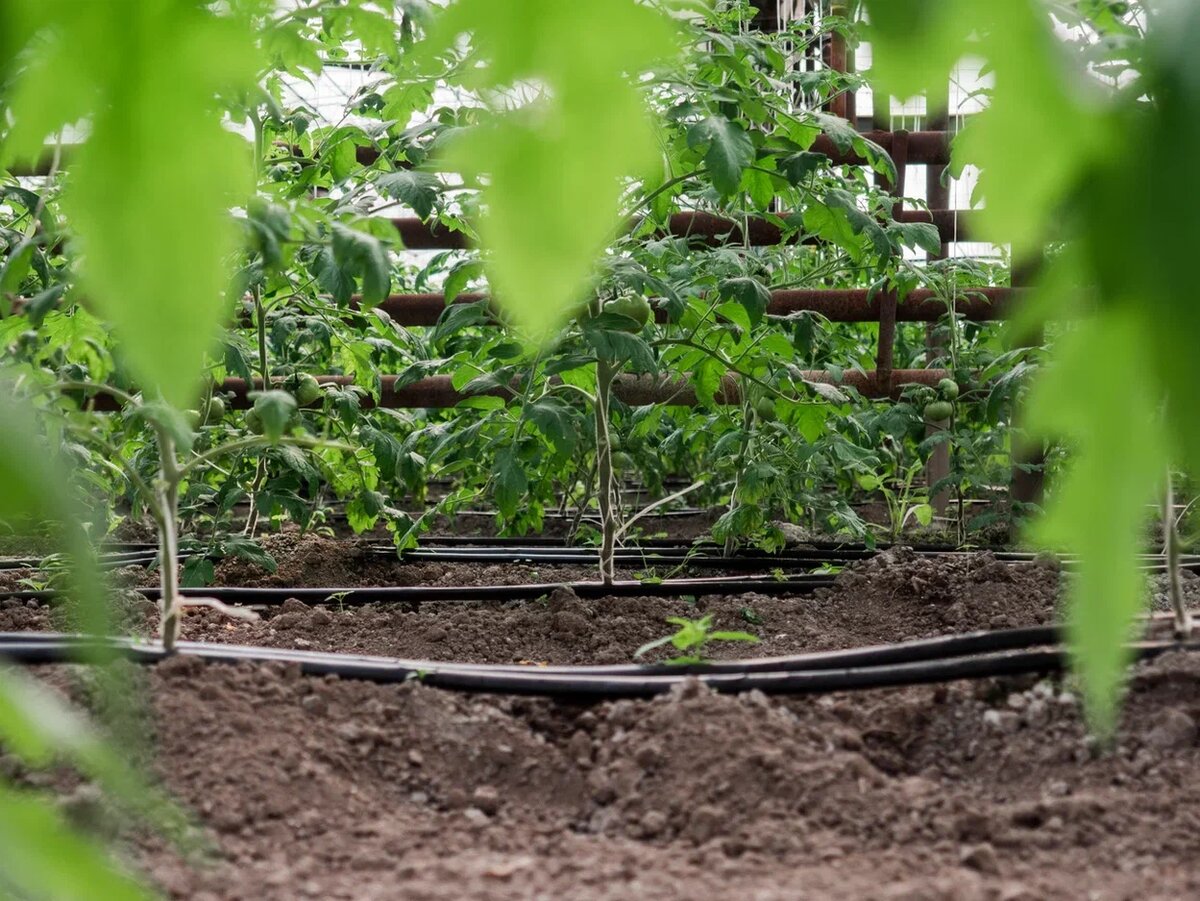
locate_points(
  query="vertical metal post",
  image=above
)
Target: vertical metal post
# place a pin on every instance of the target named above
(886, 349)
(840, 59)
(1029, 455)
(937, 197)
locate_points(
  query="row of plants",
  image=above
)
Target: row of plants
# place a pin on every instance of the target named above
(319, 259)
(116, 283)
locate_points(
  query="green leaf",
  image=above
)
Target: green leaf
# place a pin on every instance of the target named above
(1038, 90)
(362, 254)
(152, 186)
(270, 224)
(275, 410)
(917, 234)
(923, 513)
(330, 275)
(250, 551)
(752, 294)
(511, 482)
(461, 276)
(362, 512)
(386, 450)
(620, 346)
(418, 190)
(554, 167)
(915, 43)
(729, 151)
(557, 420)
(43, 858)
(167, 418)
(197, 572)
(797, 167)
(1099, 507)
(732, 636)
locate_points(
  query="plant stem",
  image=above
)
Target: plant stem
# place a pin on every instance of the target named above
(606, 371)
(260, 470)
(583, 501)
(1183, 619)
(747, 422)
(170, 608)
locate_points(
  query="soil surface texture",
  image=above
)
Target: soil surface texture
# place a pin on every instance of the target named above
(322, 788)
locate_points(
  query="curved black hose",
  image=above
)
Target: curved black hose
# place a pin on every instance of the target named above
(937, 648)
(415, 594)
(567, 682)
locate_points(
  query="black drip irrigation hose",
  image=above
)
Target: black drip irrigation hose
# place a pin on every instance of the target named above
(700, 555)
(575, 682)
(625, 557)
(415, 594)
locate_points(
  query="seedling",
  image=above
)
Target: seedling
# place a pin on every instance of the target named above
(691, 638)
(750, 615)
(904, 502)
(177, 462)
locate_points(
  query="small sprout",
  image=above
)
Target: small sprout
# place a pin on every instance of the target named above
(750, 615)
(691, 638)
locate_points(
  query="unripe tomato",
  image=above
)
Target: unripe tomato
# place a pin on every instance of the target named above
(938, 411)
(765, 408)
(307, 390)
(948, 389)
(631, 306)
(621, 462)
(193, 419)
(216, 410)
(254, 422)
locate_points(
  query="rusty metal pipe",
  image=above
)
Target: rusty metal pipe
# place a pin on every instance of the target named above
(835, 304)
(438, 392)
(702, 229)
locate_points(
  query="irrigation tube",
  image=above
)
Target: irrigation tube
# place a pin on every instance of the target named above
(550, 550)
(938, 648)
(415, 594)
(566, 682)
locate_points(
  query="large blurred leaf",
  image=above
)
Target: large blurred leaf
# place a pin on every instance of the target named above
(38, 856)
(554, 165)
(41, 858)
(152, 186)
(1043, 104)
(1100, 506)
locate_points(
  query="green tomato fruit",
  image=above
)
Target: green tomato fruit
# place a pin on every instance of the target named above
(307, 390)
(254, 422)
(193, 419)
(631, 306)
(764, 407)
(622, 462)
(948, 388)
(938, 411)
(216, 410)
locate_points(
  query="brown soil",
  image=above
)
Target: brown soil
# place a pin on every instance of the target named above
(320, 788)
(890, 598)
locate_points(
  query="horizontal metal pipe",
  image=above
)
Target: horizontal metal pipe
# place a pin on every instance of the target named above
(706, 229)
(437, 391)
(837, 305)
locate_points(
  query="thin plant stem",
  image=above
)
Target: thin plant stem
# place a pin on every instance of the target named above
(606, 371)
(1183, 618)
